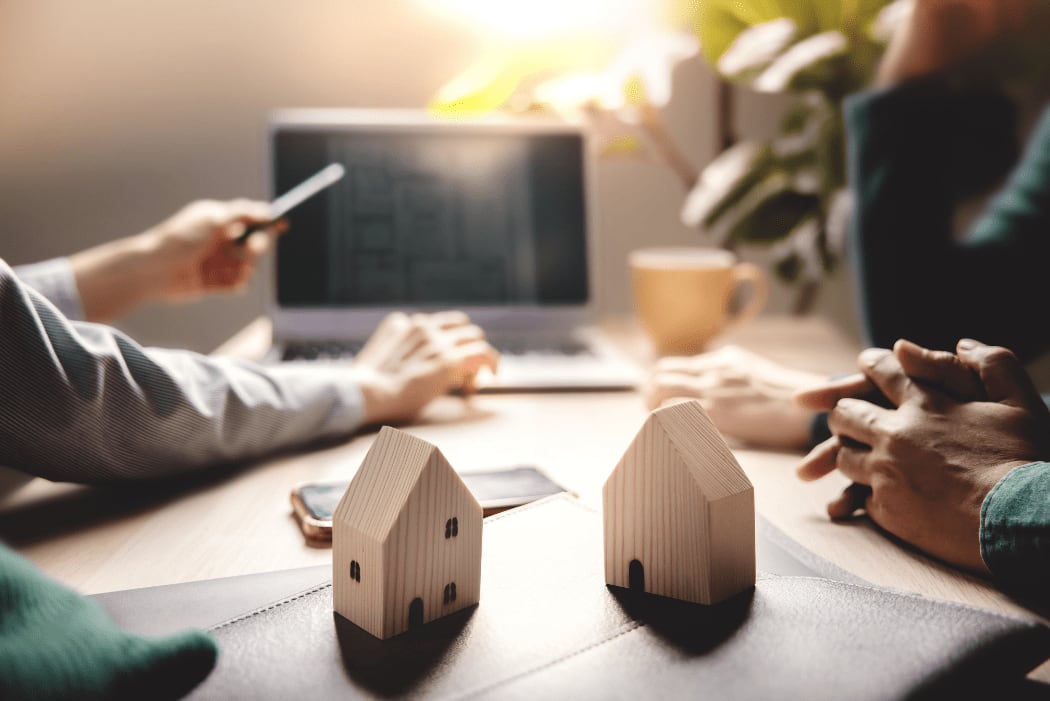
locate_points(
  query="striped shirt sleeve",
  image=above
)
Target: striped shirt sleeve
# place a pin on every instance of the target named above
(84, 403)
(54, 279)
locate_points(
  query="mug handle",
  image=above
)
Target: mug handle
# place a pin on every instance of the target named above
(748, 273)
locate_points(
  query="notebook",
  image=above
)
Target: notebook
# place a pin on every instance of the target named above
(488, 216)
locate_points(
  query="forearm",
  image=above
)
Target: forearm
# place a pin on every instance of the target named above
(84, 403)
(117, 277)
(1015, 529)
(908, 167)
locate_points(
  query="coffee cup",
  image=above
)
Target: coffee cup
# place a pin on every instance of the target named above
(684, 296)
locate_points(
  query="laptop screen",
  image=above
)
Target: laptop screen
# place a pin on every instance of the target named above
(433, 217)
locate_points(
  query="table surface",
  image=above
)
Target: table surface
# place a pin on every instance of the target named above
(100, 540)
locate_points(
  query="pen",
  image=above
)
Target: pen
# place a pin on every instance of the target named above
(317, 182)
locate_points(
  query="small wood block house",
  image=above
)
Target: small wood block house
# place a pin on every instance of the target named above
(406, 539)
(680, 512)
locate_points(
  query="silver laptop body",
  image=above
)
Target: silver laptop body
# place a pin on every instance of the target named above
(489, 216)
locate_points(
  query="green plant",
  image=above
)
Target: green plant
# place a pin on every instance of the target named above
(787, 192)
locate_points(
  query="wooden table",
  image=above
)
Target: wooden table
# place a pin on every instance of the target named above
(101, 540)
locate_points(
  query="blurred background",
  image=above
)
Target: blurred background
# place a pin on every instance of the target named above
(115, 113)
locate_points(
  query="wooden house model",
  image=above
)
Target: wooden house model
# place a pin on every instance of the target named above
(406, 539)
(679, 511)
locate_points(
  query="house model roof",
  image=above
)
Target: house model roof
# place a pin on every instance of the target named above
(701, 447)
(387, 476)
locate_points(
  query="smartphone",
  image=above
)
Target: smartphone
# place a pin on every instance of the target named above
(496, 490)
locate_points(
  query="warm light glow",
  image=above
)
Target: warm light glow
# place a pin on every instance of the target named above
(567, 54)
(535, 19)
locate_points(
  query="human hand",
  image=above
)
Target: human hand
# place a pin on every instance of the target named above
(941, 369)
(748, 397)
(195, 251)
(411, 359)
(941, 34)
(923, 469)
(189, 255)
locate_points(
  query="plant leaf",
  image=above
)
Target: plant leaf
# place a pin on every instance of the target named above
(724, 181)
(809, 63)
(756, 47)
(764, 213)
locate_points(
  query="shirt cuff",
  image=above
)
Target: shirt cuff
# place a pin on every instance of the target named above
(54, 279)
(1015, 527)
(332, 391)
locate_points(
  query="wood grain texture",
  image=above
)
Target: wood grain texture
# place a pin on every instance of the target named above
(679, 509)
(98, 540)
(412, 529)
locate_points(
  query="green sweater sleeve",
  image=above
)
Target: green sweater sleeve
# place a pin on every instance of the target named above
(914, 152)
(1015, 529)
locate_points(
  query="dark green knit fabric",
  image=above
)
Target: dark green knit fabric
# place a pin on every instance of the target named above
(915, 151)
(1015, 529)
(56, 644)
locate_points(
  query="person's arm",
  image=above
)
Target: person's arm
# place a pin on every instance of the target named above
(1015, 529)
(190, 254)
(916, 147)
(906, 148)
(83, 402)
(944, 474)
(56, 281)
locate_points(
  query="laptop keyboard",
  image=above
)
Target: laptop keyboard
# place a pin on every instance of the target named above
(343, 350)
(321, 350)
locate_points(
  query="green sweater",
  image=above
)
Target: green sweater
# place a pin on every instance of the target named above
(914, 152)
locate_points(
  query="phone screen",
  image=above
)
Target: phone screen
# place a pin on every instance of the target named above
(321, 498)
(495, 490)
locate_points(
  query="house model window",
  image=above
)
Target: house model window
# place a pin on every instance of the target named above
(355, 570)
(450, 593)
(452, 527)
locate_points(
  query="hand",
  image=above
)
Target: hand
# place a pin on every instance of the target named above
(922, 470)
(191, 254)
(410, 360)
(941, 34)
(748, 397)
(940, 369)
(196, 253)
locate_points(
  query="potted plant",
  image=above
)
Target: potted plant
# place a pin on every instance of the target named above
(787, 192)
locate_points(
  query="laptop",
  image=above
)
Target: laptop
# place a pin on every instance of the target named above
(488, 216)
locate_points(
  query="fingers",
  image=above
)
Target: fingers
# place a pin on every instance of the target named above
(858, 420)
(824, 397)
(443, 320)
(445, 343)
(723, 358)
(885, 372)
(939, 368)
(852, 461)
(849, 458)
(853, 498)
(471, 357)
(1002, 375)
(457, 367)
(259, 240)
(820, 461)
(247, 211)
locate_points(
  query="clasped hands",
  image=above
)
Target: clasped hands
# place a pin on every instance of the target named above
(925, 436)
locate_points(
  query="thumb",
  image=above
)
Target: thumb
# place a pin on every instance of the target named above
(1002, 374)
(944, 370)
